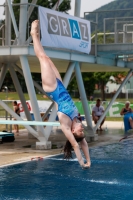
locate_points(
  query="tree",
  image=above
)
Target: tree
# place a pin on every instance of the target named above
(64, 7)
(9, 82)
(89, 83)
(103, 77)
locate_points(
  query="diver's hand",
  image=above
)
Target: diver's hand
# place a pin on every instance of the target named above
(86, 166)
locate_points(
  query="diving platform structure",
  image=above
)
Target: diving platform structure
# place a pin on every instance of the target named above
(18, 55)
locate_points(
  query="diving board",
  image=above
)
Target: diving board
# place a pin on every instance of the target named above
(35, 123)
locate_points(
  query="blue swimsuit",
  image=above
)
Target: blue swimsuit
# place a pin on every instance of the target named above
(63, 100)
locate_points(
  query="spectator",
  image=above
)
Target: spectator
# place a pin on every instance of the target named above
(97, 111)
(91, 98)
(128, 116)
(17, 111)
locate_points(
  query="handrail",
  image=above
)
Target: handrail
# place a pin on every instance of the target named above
(2, 29)
(111, 33)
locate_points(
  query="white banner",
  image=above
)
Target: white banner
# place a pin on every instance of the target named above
(64, 31)
(43, 106)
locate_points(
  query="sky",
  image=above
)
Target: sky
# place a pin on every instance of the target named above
(86, 6)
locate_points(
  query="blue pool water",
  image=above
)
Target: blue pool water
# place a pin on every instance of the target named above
(110, 177)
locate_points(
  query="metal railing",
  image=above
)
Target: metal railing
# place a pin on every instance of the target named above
(2, 31)
(114, 29)
(5, 30)
(116, 33)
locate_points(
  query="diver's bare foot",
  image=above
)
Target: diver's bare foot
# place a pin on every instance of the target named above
(35, 28)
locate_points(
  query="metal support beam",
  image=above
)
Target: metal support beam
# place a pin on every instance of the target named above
(113, 99)
(7, 26)
(20, 92)
(68, 74)
(104, 29)
(22, 21)
(3, 74)
(31, 91)
(57, 4)
(96, 34)
(13, 20)
(77, 8)
(115, 30)
(31, 8)
(47, 112)
(83, 95)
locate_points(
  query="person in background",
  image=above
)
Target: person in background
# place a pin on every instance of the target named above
(66, 109)
(91, 98)
(127, 112)
(79, 117)
(17, 111)
(97, 111)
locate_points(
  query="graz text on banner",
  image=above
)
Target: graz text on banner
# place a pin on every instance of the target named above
(64, 31)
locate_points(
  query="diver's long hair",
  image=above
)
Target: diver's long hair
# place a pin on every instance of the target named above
(68, 148)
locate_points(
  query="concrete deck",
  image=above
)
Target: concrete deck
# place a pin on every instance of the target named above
(23, 148)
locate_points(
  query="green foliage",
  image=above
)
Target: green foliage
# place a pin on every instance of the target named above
(100, 39)
(89, 83)
(102, 78)
(64, 7)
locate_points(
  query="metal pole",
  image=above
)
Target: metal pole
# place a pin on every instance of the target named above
(77, 8)
(3, 36)
(115, 31)
(96, 34)
(104, 21)
(20, 92)
(83, 95)
(23, 22)
(3, 74)
(10, 124)
(13, 20)
(68, 74)
(57, 4)
(7, 26)
(47, 112)
(31, 8)
(31, 91)
(6, 113)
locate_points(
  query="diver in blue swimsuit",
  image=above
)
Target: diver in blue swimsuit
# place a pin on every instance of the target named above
(64, 101)
(67, 111)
